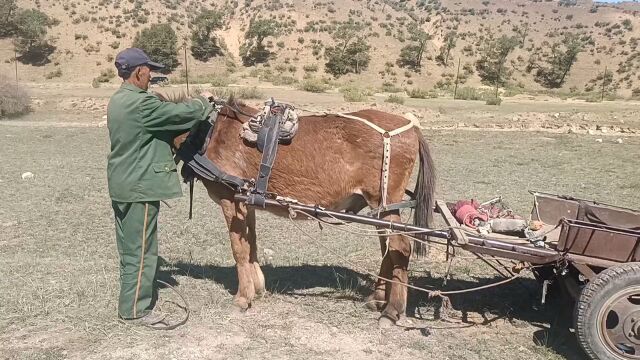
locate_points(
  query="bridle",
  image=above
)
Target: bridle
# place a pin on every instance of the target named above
(233, 106)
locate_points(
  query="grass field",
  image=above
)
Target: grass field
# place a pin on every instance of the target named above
(59, 266)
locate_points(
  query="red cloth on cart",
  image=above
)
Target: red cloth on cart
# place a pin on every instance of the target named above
(466, 211)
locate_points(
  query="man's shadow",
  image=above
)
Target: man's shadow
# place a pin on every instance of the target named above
(517, 302)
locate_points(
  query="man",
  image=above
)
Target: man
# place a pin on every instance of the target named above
(140, 173)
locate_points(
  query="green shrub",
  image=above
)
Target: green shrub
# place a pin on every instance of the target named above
(54, 74)
(14, 99)
(160, 42)
(355, 94)
(395, 99)
(390, 87)
(219, 80)
(512, 92)
(106, 75)
(470, 93)
(593, 98)
(314, 85)
(279, 80)
(216, 80)
(417, 93)
(239, 93)
(310, 68)
(494, 101)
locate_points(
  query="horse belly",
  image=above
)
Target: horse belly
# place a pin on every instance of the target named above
(331, 178)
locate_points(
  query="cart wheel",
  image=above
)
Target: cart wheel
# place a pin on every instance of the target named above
(608, 314)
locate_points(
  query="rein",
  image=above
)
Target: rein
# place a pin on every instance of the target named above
(236, 109)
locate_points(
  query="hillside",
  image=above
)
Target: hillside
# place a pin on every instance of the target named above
(89, 34)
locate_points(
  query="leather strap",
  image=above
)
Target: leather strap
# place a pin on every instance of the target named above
(269, 148)
(386, 151)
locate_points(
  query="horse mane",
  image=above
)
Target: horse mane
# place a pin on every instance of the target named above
(234, 101)
(174, 97)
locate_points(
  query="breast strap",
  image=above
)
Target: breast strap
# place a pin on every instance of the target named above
(386, 154)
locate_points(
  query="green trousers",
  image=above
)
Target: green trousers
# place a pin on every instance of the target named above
(136, 234)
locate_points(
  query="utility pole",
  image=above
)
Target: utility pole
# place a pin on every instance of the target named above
(186, 68)
(604, 81)
(455, 89)
(498, 80)
(15, 60)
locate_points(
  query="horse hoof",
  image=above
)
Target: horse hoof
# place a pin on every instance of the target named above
(385, 323)
(372, 303)
(240, 305)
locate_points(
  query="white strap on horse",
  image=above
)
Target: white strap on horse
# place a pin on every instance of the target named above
(386, 140)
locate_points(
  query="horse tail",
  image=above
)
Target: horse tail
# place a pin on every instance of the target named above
(424, 192)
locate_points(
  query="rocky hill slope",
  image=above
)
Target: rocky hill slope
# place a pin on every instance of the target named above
(89, 34)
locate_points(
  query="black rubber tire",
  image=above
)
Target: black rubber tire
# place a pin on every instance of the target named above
(593, 297)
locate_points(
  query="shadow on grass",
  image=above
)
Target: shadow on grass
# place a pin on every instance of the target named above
(515, 302)
(282, 279)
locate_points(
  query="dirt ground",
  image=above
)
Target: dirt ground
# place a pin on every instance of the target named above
(59, 268)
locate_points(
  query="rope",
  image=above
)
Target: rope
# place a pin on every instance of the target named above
(184, 307)
(430, 293)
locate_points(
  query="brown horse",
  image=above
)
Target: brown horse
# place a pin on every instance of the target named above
(333, 162)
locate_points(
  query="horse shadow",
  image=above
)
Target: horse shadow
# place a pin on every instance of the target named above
(517, 302)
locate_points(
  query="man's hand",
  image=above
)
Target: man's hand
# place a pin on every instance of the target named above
(207, 95)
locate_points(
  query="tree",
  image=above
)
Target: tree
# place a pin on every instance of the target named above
(31, 41)
(445, 50)
(204, 44)
(411, 55)
(493, 56)
(253, 50)
(160, 42)
(8, 9)
(556, 61)
(350, 54)
(522, 30)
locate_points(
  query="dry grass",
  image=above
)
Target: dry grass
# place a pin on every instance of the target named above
(60, 261)
(14, 99)
(60, 265)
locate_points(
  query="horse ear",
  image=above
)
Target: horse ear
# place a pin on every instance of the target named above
(231, 99)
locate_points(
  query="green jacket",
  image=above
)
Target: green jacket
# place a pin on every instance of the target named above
(141, 128)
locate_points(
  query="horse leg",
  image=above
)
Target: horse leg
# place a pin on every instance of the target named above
(257, 276)
(236, 217)
(399, 253)
(378, 299)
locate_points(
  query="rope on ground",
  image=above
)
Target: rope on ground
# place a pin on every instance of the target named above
(184, 307)
(446, 303)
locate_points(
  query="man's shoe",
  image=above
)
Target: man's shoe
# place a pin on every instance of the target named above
(153, 320)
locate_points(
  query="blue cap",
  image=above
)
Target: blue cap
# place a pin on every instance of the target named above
(128, 59)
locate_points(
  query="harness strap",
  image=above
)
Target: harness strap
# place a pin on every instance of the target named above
(269, 132)
(386, 153)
